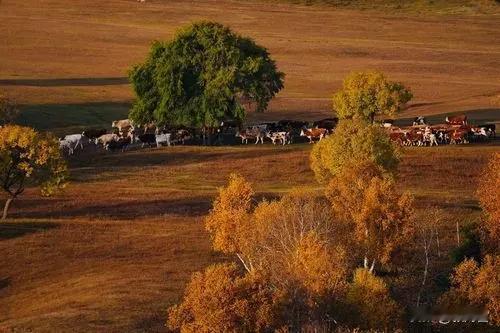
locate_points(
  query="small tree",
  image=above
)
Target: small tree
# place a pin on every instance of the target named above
(8, 111)
(353, 141)
(372, 304)
(365, 95)
(29, 158)
(202, 77)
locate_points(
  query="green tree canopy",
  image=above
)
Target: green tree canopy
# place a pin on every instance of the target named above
(365, 95)
(203, 76)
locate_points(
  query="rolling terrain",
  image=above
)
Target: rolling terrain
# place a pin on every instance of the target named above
(115, 249)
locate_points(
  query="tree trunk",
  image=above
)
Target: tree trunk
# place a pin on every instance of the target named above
(6, 208)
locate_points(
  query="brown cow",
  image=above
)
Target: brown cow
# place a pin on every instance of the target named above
(314, 133)
(459, 136)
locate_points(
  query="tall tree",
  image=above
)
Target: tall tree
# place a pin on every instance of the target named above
(203, 76)
(368, 94)
(29, 158)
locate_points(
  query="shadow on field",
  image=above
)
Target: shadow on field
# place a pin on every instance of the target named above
(86, 81)
(13, 230)
(4, 283)
(123, 209)
(91, 163)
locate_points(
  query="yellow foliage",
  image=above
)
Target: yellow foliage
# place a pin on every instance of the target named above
(353, 141)
(380, 216)
(373, 305)
(367, 94)
(221, 300)
(28, 157)
(228, 221)
(489, 196)
(477, 285)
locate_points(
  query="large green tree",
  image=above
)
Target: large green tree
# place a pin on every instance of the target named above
(365, 95)
(204, 75)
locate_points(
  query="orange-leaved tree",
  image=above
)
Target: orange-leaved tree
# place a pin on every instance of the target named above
(363, 196)
(29, 158)
(229, 221)
(222, 299)
(476, 285)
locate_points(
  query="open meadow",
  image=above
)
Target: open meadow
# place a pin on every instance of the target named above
(116, 248)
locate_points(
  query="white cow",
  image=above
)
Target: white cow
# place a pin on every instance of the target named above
(278, 136)
(71, 142)
(163, 139)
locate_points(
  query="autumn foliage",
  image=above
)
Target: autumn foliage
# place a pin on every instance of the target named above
(29, 158)
(352, 142)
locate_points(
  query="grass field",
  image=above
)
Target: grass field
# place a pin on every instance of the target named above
(116, 248)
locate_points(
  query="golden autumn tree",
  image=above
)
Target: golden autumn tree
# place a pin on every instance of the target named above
(353, 141)
(489, 197)
(229, 220)
(365, 95)
(380, 217)
(370, 299)
(222, 299)
(476, 285)
(29, 158)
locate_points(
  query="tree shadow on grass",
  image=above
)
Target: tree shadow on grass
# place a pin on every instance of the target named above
(14, 229)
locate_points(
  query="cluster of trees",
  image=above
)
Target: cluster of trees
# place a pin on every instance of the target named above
(308, 260)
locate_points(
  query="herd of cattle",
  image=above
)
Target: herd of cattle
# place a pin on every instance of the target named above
(124, 133)
(455, 130)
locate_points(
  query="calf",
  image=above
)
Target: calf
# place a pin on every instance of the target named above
(314, 133)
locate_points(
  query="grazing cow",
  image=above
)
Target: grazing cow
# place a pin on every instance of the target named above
(124, 124)
(279, 136)
(415, 138)
(398, 136)
(93, 134)
(120, 144)
(163, 138)
(327, 123)
(147, 139)
(457, 120)
(314, 133)
(251, 133)
(71, 142)
(106, 139)
(459, 136)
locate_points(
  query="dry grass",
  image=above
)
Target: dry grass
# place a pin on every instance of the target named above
(116, 249)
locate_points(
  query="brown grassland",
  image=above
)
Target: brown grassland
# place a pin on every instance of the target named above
(116, 248)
